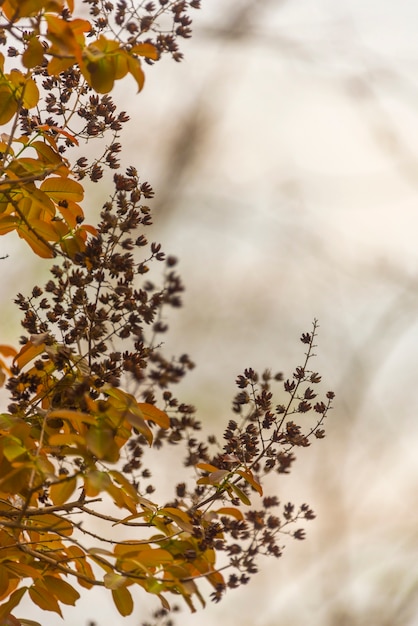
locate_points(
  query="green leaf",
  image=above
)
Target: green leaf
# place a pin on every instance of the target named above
(241, 495)
(114, 581)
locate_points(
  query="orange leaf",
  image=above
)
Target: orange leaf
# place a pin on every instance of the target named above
(207, 467)
(151, 413)
(146, 50)
(28, 352)
(7, 351)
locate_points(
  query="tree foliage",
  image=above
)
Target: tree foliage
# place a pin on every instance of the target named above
(91, 407)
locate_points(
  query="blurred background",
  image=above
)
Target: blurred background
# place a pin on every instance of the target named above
(284, 155)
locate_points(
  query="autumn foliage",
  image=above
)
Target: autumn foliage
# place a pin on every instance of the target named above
(91, 401)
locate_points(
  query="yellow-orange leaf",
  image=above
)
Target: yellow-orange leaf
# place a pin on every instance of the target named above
(69, 439)
(127, 408)
(123, 601)
(101, 442)
(52, 522)
(50, 157)
(62, 590)
(250, 478)
(181, 518)
(146, 50)
(72, 213)
(60, 189)
(43, 598)
(12, 602)
(207, 467)
(40, 247)
(95, 482)
(28, 352)
(154, 557)
(135, 69)
(227, 510)
(114, 581)
(73, 416)
(61, 492)
(7, 350)
(151, 413)
(8, 104)
(7, 223)
(34, 53)
(15, 9)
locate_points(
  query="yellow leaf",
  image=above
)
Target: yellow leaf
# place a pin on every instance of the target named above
(43, 598)
(34, 53)
(241, 495)
(25, 89)
(52, 522)
(8, 104)
(181, 518)
(40, 247)
(7, 224)
(12, 602)
(69, 439)
(154, 557)
(101, 442)
(50, 158)
(135, 69)
(60, 189)
(75, 417)
(72, 213)
(95, 482)
(226, 510)
(123, 601)
(128, 409)
(62, 590)
(4, 581)
(114, 581)
(61, 492)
